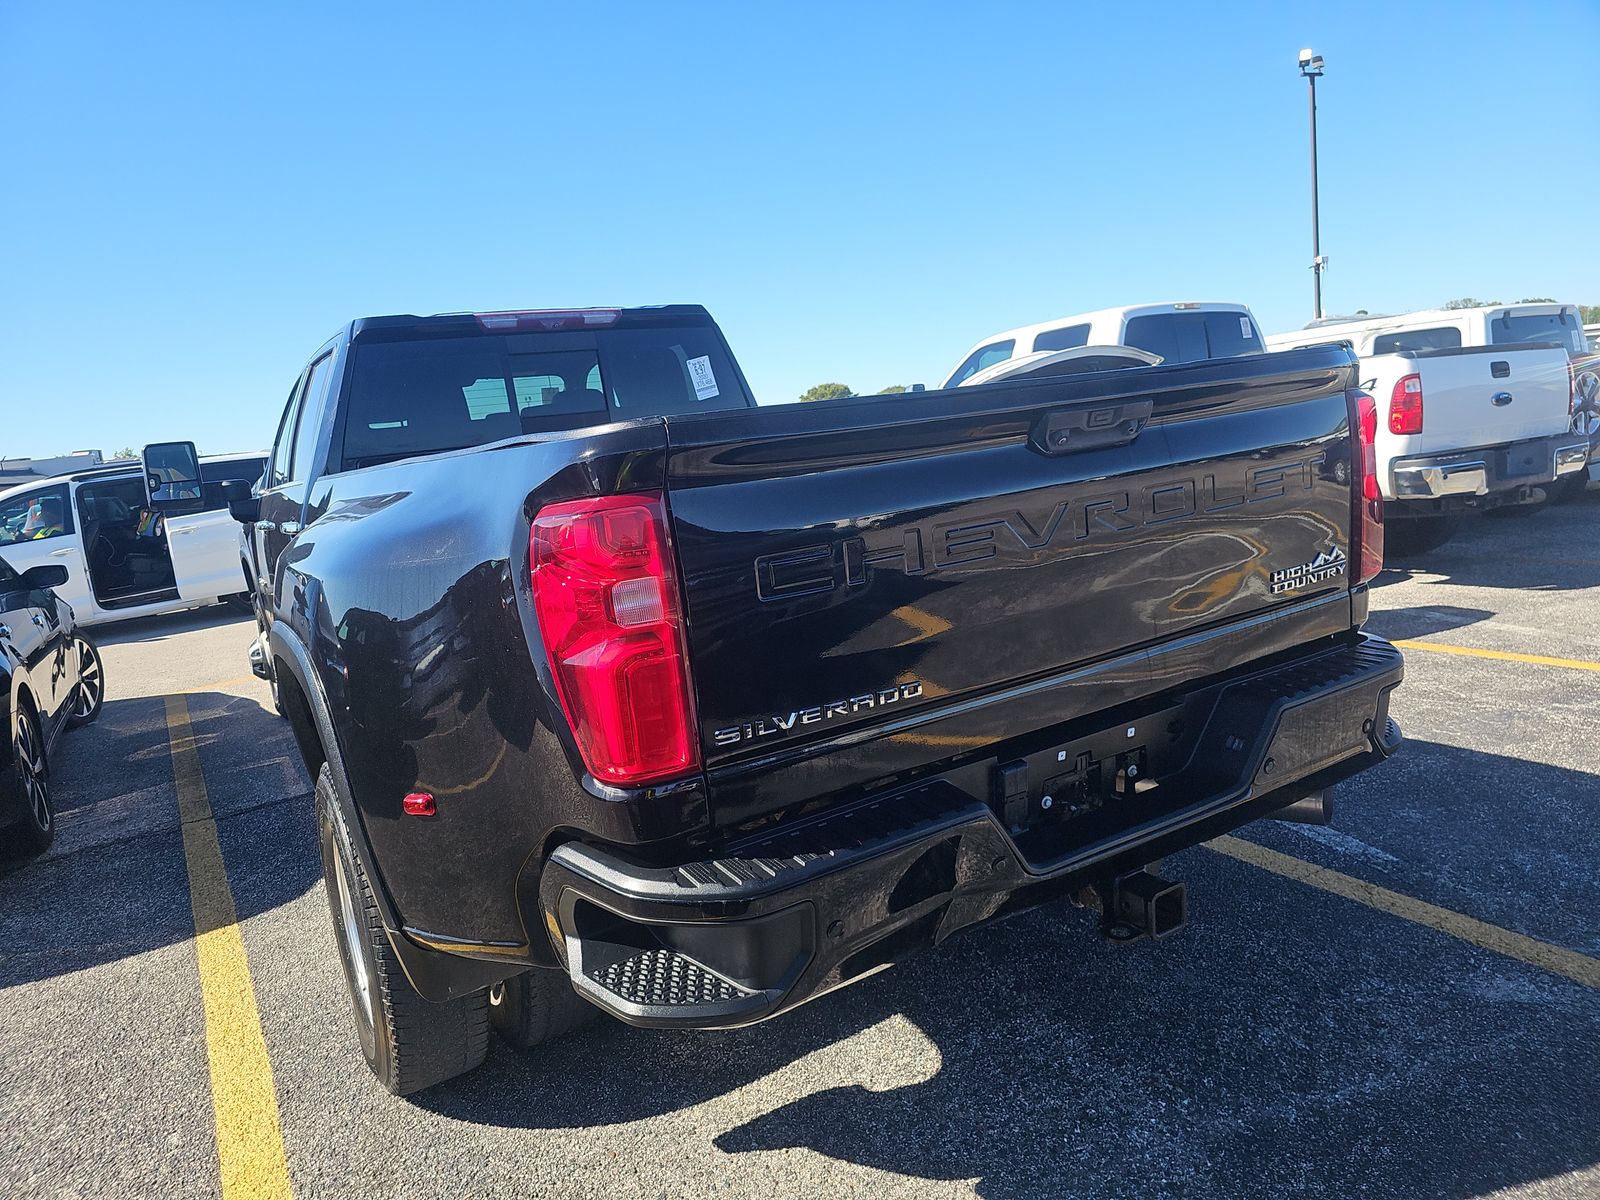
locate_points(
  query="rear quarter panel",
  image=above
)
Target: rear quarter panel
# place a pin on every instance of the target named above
(410, 589)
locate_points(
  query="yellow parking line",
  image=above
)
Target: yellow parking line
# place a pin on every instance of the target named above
(1578, 967)
(243, 1100)
(1576, 664)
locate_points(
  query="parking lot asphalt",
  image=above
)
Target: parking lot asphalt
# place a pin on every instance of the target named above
(1327, 1026)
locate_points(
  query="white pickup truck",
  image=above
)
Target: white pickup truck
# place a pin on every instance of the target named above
(1487, 325)
(1187, 331)
(1468, 428)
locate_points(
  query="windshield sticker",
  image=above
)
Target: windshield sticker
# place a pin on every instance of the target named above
(1244, 328)
(705, 382)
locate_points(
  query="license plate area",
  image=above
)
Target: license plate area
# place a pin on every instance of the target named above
(1092, 787)
(1206, 752)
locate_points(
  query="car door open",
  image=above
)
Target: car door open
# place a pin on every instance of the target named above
(203, 544)
(205, 554)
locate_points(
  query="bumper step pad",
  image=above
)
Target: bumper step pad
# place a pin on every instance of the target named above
(662, 977)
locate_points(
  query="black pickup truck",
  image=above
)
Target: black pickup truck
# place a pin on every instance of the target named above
(623, 693)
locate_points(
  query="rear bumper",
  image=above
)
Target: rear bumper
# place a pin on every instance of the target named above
(1467, 475)
(814, 905)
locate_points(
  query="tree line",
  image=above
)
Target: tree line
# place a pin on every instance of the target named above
(839, 391)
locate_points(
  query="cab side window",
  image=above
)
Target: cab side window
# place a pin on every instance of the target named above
(979, 359)
(1444, 338)
(308, 422)
(278, 468)
(35, 516)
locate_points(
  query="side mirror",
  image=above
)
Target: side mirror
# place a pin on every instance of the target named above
(242, 506)
(44, 577)
(172, 477)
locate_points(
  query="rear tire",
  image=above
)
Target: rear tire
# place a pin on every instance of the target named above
(530, 1009)
(36, 828)
(1419, 535)
(91, 695)
(409, 1042)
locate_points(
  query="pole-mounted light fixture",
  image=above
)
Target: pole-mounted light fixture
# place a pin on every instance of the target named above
(1311, 68)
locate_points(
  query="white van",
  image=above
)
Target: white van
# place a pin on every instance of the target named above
(124, 557)
(1183, 332)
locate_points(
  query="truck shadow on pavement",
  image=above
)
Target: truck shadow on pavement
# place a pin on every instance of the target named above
(1289, 1042)
(1424, 619)
(115, 883)
(1553, 548)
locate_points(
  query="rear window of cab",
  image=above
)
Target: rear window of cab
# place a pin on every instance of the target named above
(1180, 337)
(423, 395)
(1559, 327)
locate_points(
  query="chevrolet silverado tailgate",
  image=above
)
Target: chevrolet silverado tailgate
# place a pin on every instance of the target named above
(850, 565)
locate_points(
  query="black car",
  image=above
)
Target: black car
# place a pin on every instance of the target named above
(51, 680)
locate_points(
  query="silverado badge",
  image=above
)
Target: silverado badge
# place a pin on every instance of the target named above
(1324, 566)
(833, 710)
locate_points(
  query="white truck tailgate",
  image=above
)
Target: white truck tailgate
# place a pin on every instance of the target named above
(1471, 397)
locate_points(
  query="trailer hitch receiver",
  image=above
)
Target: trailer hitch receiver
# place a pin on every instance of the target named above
(1142, 905)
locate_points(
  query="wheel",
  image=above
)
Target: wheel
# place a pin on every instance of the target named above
(91, 682)
(409, 1042)
(536, 1006)
(37, 828)
(1418, 535)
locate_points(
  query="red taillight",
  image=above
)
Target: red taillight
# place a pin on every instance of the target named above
(1405, 405)
(1366, 498)
(1572, 392)
(606, 595)
(549, 318)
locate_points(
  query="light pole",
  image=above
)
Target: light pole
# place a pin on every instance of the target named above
(1311, 68)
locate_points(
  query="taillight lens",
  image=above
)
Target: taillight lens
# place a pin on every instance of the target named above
(1572, 392)
(1405, 405)
(606, 596)
(1366, 498)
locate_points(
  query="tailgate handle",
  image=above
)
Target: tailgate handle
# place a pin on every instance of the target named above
(1500, 369)
(1070, 430)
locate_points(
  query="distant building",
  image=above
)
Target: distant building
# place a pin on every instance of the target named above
(20, 470)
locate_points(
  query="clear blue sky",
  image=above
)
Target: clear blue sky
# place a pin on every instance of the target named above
(195, 196)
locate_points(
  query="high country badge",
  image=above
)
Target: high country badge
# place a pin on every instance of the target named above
(1325, 566)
